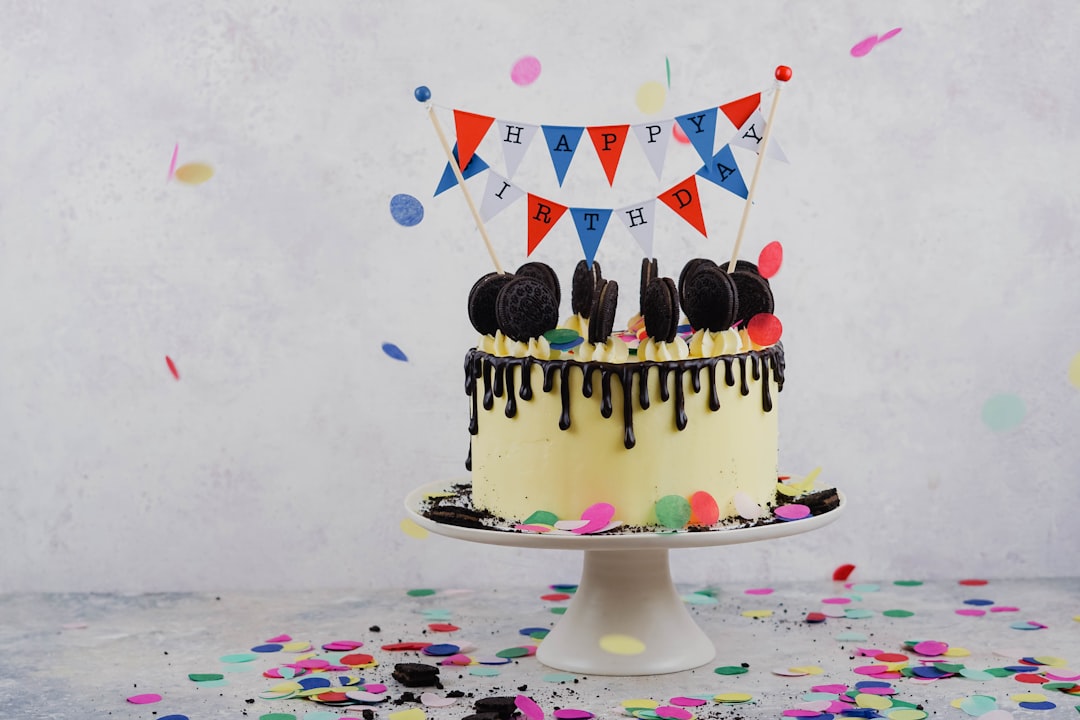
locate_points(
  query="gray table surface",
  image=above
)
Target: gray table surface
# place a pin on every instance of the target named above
(83, 655)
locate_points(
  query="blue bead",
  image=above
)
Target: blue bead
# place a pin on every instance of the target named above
(422, 93)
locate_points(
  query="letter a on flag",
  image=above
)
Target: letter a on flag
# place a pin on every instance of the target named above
(685, 201)
(543, 214)
(562, 142)
(470, 129)
(725, 172)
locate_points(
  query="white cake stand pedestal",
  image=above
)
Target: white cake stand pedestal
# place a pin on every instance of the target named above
(626, 617)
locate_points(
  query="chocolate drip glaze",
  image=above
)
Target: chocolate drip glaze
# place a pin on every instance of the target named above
(498, 375)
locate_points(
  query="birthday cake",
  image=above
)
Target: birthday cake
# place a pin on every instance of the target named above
(671, 422)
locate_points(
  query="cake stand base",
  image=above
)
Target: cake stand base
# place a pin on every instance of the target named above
(626, 619)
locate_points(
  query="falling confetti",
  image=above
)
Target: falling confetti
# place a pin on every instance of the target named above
(863, 47)
(1074, 371)
(172, 367)
(525, 71)
(172, 164)
(394, 351)
(406, 210)
(194, 173)
(410, 528)
(770, 258)
(1003, 412)
(667, 67)
(618, 644)
(650, 97)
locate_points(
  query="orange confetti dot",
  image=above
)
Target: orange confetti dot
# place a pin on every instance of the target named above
(703, 509)
(764, 329)
(194, 173)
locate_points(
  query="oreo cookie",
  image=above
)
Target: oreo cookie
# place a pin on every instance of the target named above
(688, 271)
(649, 272)
(543, 273)
(660, 308)
(741, 265)
(526, 308)
(602, 315)
(583, 289)
(710, 299)
(501, 706)
(482, 297)
(755, 295)
(416, 674)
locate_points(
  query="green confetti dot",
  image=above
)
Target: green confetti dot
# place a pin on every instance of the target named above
(542, 517)
(237, 658)
(514, 652)
(858, 613)
(539, 634)
(277, 716)
(205, 677)
(898, 613)
(731, 670)
(420, 592)
(558, 610)
(673, 511)
(560, 336)
(484, 672)
(1003, 412)
(908, 583)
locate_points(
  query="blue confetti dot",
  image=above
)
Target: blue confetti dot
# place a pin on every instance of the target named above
(422, 93)
(406, 210)
(1003, 412)
(394, 351)
(174, 717)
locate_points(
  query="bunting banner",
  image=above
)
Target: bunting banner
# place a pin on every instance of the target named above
(700, 128)
(562, 142)
(639, 219)
(590, 224)
(752, 133)
(724, 171)
(608, 141)
(499, 194)
(470, 129)
(654, 138)
(685, 201)
(543, 214)
(449, 179)
(516, 138)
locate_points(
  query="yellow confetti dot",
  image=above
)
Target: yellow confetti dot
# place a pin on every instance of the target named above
(286, 687)
(194, 173)
(906, 714)
(808, 670)
(733, 697)
(877, 702)
(757, 613)
(1074, 380)
(957, 652)
(650, 97)
(617, 644)
(299, 646)
(1027, 697)
(413, 714)
(410, 528)
(785, 489)
(640, 703)
(1076, 618)
(1051, 661)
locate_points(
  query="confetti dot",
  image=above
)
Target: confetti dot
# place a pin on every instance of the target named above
(908, 583)
(1074, 371)
(650, 97)
(193, 173)
(757, 613)
(618, 644)
(172, 367)
(572, 714)
(394, 351)
(410, 528)
(769, 259)
(525, 71)
(759, 591)
(406, 210)
(703, 509)
(144, 699)
(731, 670)
(173, 717)
(679, 134)
(420, 592)
(898, 613)
(1003, 412)
(794, 511)
(906, 714)
(733, 697)
(237, 658)
(863, 47)
(673, 511)
(764, 329)
(559, 677)
(411, 714)
(528, 707)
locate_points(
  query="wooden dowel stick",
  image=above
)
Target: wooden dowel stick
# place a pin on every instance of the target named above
(461, 181)
(783, 74)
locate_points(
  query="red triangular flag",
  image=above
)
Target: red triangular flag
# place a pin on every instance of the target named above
(470, 129)
(739, 111)
(543, 214)
(608, 141)
(684, 200)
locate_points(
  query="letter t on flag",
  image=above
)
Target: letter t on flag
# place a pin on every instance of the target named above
(590, 224)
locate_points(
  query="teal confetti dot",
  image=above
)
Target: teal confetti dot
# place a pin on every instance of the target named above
(898, 613)
(484, 672)
(406, 210)
(1003, 412)
(560, 677)
(394, 351)
(857, 613)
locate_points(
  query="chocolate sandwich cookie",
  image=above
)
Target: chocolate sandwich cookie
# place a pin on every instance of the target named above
(741, 265)
(543, 273)
(416, 674)
(710, 299)
(502, 706)
(819, 501)
(688, 271)
(583, 288)
(482, 299)
(602, 316)
(526, 308)
(649, 271)
(755, 295)
(457, 516)
(660, 308)
(482, 716)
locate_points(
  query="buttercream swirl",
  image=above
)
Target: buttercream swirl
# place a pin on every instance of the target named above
(500, 345)
(660, 351)
(614, 350)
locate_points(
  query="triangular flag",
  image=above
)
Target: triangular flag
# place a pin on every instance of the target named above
(476, 165)
(499, 194)
(639, 219)
(752, 133)
(590, 224)
(470, 129)
(608, 141)
(739, 111)
(562, 142)
(654, 138)
(700, 127)
(543, 214)
(723, 171)
(516, 138)
(685, 201)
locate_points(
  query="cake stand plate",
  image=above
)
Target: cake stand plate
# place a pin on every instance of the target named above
(626, 617)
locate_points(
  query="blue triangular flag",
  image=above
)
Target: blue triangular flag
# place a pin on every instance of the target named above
(562, 142)
(700, 127)
(590, 224)
(723, 171)
(476, 165)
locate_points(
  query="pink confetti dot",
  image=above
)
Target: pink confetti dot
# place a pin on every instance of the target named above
(525, 71)
(970, 612)
(528, 707)
(673, 713)
(930, 647)
(794, 511)
(863, 47)
(758, 591)
(837, 601)
(144, 699)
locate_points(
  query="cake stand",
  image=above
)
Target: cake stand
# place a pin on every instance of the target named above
(626, 617)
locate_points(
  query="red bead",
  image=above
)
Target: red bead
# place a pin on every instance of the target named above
(783, 73)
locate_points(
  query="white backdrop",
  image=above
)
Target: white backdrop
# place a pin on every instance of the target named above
(928, 215)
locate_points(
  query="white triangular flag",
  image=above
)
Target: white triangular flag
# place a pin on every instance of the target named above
(654, 138)
(639, 219)
(752, 133)
(499, 194)
(515, 138)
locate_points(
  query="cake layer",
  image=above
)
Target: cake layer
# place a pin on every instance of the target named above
(561, 435)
